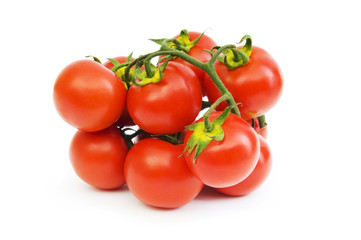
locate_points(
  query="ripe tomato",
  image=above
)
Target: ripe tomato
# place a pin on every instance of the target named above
(157, 176)
(125, 119)
(227, 162)
(98, 157)
(256, 178)
(263, 132)
(89, 96)
(257, 85)
(168, 106)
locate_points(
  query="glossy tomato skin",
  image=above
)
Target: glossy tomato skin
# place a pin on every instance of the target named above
(168, 106)
(263, 132)
(98, 157)
(89, 96)
(256, 178)
(257, 85)
(124, 119)
(227, 162)
(157, 176)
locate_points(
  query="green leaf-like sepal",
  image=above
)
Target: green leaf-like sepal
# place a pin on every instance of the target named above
(158, 41)
(247, 48)
(201, 137)
(144, 79)
(94, 58)
(235, 58)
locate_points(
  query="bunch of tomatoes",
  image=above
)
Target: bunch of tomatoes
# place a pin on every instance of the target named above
(138, 120)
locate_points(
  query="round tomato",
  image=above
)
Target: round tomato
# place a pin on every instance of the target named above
(227, 162)
(157, 176)
(256, 178)
(256, 85)
(263, 132)
(98, 157)
(89, 96)
(168, 106)
(125, 119)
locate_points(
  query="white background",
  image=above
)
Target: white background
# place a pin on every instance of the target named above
(313, 191)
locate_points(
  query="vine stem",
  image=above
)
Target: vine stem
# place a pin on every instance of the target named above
(207, 124)
(208, 67)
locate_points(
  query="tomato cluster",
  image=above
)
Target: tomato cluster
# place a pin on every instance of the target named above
(170, 154)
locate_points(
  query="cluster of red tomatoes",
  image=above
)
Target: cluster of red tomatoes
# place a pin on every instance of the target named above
(169, 157)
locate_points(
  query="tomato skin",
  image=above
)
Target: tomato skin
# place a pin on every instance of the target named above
(157, 176)
(124, 119)
(168, 106)
(256, 178)
(98, 157)
(227, 162)
(257, 85)
(89, 96)
(198, 53)
(263, 132)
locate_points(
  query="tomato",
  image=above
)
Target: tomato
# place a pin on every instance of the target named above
(98, 157)
(89, 96)
(256, 178)
(157, 176)
(124, 119)
(168, 106)
(263, 132)
(256, 85)
(227, 162)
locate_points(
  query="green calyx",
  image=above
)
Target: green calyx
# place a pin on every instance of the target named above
(182, 43)
(119, 69)
(151, 74)
(94, 58)
(235, 58)
(262, 121)
(203, 135)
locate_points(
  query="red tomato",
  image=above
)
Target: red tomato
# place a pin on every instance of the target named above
(89, 96)
(263, 132)
(257, 85)
(98, 157)
(168, 106)
(125, 119)
(157, 176)
(227, 162)
(257, 177)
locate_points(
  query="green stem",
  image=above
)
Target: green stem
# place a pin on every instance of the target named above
(262, 121)
(219, 51)
(222, 89)
(208, 125)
